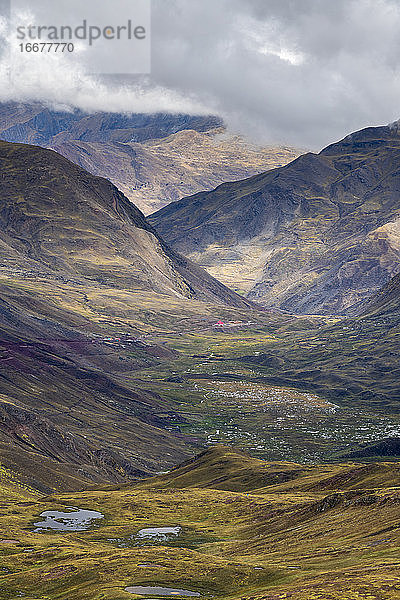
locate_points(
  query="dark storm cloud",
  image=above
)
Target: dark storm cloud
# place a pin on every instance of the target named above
(304, 72)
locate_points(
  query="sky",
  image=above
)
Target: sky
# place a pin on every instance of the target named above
(298, 72)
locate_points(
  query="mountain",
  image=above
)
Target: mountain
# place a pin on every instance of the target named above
(38, 124)
(113, 360)
(153, 159)
(317, 236)
(55, 217)
(83, 280)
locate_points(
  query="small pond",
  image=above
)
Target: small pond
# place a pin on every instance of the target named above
(150, 536)
(73, 519)
(159, 533)
(163, 591)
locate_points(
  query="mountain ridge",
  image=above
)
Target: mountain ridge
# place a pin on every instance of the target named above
(318, 235)
(152, 158)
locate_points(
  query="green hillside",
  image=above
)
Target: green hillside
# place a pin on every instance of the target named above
(322, 533)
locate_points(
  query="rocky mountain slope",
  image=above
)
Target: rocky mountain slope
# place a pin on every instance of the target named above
(153, 159)
(83, 280)
(155, 172)
(111, 362)
(385, 304)
(316, 236)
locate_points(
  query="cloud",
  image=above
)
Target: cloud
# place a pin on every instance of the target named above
(298, 72)
(60, 80)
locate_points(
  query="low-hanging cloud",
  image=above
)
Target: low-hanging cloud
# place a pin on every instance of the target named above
(303, 72)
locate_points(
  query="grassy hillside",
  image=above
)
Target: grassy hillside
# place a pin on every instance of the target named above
(324, 533)
(385, 304)
(303, 390)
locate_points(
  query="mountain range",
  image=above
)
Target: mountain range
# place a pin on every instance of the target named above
(83, 277)
(317, 236)
(152, 158)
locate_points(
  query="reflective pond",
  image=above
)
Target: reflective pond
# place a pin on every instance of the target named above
(73, 519)
(151, 536)
(163, 591)
(159, 532)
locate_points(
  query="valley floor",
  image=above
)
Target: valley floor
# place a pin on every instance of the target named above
(250, 385)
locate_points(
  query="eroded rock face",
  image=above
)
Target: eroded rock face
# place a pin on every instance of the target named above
(316, 236)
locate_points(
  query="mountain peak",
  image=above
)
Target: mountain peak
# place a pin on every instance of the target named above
(319, 235)
(56, 216)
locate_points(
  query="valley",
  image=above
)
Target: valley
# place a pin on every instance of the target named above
(247, 402)
(136, 367)
(162, 434)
